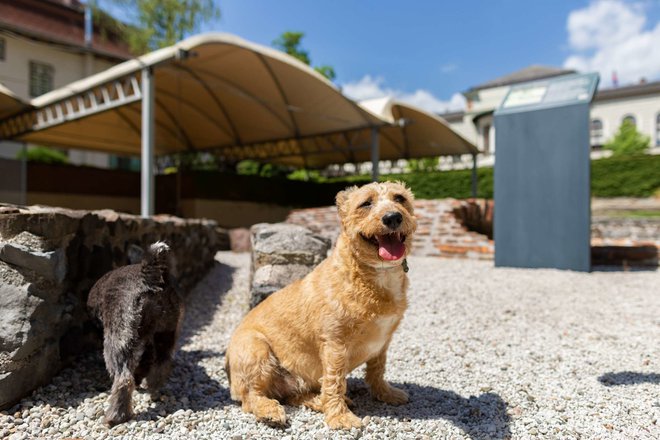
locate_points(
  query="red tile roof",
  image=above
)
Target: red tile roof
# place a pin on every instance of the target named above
(60, 22)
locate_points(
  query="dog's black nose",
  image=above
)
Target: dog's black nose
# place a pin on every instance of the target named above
(392, 219)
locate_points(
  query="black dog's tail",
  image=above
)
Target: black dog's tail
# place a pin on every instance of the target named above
(156, 260)
(157, 254)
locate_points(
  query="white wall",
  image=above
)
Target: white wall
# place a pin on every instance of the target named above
(644, 109)
(69, 66)
(465, 128)
(610, 112)
(489, 99)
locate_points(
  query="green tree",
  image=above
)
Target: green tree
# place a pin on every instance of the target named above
(161, 23)
(628, 141)
(290, 42)
(327, 71)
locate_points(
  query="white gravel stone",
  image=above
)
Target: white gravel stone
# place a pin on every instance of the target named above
(484, 353)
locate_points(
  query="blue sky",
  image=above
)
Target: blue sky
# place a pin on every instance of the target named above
(427, 52)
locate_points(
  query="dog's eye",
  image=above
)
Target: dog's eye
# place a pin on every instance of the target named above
(399, 199)
(366, 204)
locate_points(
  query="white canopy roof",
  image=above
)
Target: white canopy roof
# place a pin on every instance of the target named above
(212, 91)
(415, 132)
(218, 92)
(10, 104)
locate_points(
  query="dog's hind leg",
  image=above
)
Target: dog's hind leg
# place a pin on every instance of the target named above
(145, 364)
(121, 408)
(122, 362)
(164, 344)
(254, 371)
(312, 400)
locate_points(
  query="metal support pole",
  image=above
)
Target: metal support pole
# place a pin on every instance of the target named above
(148, 99)
(24, 177)
(474, 176)
(375, 154)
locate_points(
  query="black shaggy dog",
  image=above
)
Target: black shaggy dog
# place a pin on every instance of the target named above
(141, 313)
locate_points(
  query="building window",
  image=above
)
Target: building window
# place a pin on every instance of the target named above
(631, 119)
(487, 138)
(41, 78)
(657, 130)
(3, 49)
(596, 133)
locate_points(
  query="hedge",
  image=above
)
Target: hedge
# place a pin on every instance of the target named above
(633, 176)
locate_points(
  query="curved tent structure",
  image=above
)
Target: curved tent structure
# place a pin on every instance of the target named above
(409, 133)
(10, 104)
(212, 91)
(414, 132)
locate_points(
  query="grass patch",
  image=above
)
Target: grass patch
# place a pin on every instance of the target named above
(636, 213)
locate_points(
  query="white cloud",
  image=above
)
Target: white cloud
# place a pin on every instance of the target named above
(448, 68)
(611, 36)
(374, 87)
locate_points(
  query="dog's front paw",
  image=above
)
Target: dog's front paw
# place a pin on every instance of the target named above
(345, 420)
(391, 395)
(272, 415)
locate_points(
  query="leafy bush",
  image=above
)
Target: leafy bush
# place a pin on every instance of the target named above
(441, 184)
(628, 141)
(254, 168)
(424, 164)
(248, 167)
(43, 155)
(305, 175)
(631, 176)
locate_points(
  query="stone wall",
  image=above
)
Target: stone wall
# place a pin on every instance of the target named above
(281, 254)
(439, 232)
(50, 258)
(625, 231)
(625, 241)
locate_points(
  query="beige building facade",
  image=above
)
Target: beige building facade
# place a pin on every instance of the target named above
(43, 46)
(639, 103)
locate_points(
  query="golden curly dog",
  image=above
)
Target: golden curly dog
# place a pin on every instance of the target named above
(298, 345)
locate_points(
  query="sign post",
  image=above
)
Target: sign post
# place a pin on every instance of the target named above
(542, 174)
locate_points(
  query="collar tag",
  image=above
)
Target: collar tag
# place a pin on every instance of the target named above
(405, 265)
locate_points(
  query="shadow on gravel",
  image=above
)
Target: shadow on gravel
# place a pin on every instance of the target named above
(480, 417)
(85, 378)
(628, 378)
(189, 387)
(204, 299)
(624, 258)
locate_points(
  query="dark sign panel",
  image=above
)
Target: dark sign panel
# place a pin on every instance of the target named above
(542, 175)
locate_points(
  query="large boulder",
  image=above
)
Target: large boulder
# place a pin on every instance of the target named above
(281, 254)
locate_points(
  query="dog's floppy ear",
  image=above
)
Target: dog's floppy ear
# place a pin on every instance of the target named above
(342, 200)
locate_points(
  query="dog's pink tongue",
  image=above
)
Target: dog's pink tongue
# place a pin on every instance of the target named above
(390, 247)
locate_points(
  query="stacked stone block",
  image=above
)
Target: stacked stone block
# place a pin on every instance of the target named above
(281, 254)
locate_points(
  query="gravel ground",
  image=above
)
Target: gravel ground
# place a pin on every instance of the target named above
(483, 352)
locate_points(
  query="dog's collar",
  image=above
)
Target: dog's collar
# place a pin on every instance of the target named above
(404, 265)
